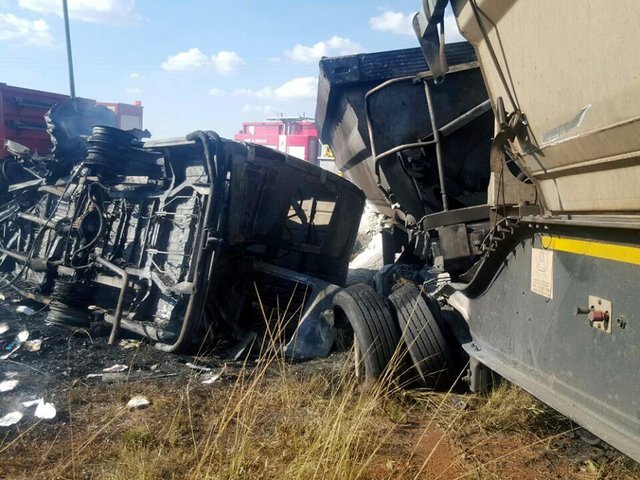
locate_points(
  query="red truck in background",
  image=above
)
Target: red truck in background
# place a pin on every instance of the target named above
(296, 136)
(22, 113)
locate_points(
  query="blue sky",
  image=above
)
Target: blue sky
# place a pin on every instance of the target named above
(195, 64)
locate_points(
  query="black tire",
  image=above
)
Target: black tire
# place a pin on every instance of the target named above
(422, 336)
(376, 335)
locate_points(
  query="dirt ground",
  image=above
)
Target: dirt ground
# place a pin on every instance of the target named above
(279, 423)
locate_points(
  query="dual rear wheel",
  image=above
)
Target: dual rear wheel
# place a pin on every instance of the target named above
(385, 332)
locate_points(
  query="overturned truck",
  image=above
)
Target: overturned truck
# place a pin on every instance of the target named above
(534, 278)
(186, 241)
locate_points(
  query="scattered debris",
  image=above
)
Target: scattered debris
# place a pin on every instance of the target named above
(115, 368)
(197, 367)
(31, 403)
(4, 328)
(138, 402)
(33, 345)
(129, 343)
(23, 309)
(8, 385)
(94, 375)
(22, 337)
(215, 376)
(457, 402)
(10, 419)
(45, 411)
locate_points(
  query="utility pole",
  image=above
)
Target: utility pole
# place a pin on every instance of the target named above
(72, 85)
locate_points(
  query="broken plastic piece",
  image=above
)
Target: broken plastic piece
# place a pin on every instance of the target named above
(129, 343)
(33, 345)
(214, 377)
(138, 402)
(8, 385)
(45, 411)
(22, 337)
(4, 327)
(115, 368)
(10, 419)
(197, 367)
(28, 311)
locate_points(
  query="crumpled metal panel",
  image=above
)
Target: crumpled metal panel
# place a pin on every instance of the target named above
(162, 238)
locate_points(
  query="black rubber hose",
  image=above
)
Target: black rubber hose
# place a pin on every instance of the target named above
(98, 208)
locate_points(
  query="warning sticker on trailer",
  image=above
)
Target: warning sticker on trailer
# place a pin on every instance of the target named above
(542, 272)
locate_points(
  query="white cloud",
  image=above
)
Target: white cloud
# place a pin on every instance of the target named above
(113, 12)
(259, 108)
(402, 24)
(217, 92)
(302, 87)
(133, 90)
(192, 59)
(134, 75)
(394, 22)
(33, 32)
(223, 62)
(335, 46)
(295, 89)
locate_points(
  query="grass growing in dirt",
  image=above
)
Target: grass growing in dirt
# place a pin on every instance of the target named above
(272, 422)
(269, 419)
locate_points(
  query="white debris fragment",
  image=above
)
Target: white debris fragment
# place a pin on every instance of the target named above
(4, 327)
(33, 345)
(127, 343)
(45, 411)
(10, 419)
(138, 402)
(94, 375)
(22, 337)
(197, 367)
(8, 385)
(115, 368)
(214, 377)
(28, 311)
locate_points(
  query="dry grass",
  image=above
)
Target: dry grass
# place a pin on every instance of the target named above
(274, 423)
(271, 421)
